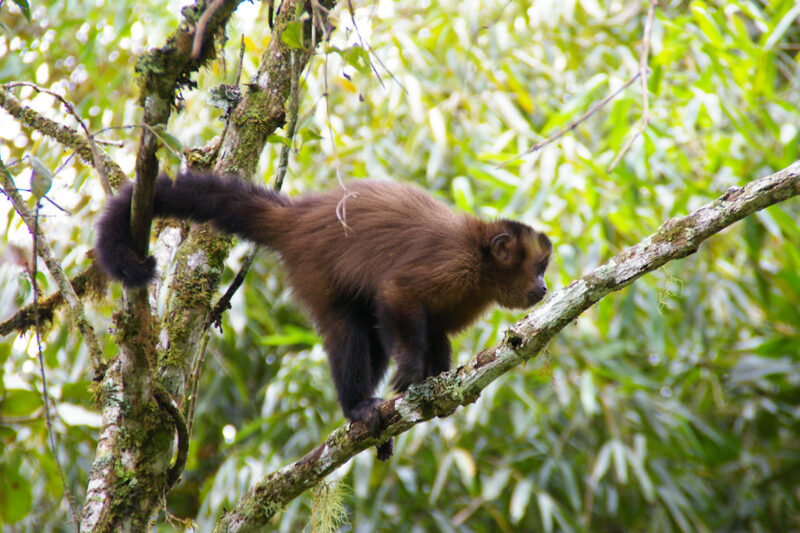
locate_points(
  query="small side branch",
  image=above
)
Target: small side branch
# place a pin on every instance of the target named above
(575, 123)
(89, 282)
(643, 71)
(46, 253)
(96, 159)
(224, 303)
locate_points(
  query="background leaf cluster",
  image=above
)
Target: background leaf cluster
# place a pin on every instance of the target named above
(673, 405)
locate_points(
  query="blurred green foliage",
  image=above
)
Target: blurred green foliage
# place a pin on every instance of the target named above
(673, 405)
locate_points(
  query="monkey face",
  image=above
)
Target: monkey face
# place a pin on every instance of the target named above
(526, 289)
(522, 284)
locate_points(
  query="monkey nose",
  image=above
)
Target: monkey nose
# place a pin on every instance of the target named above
(536, 294)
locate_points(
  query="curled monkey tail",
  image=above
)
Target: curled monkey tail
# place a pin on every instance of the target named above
(233, 205)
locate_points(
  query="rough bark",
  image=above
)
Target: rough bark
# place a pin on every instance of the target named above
(200, 259)
(131, 469)
(133, 455)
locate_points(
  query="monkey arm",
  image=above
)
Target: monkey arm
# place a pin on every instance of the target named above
(403, 331)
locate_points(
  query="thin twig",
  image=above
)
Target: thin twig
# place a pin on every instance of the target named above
(372, 52)
(46, 253)
(574, 124)
(643, 71)
(48, 421)
(224, 303)
(241, 62)
(283, 161)
(200, 28)
(361, 41)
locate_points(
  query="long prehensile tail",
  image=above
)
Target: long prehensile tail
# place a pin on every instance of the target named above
(233, 205)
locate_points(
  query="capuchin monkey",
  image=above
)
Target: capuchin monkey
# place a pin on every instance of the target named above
(385, 270)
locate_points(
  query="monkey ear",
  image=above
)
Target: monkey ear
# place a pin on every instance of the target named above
(501, 247)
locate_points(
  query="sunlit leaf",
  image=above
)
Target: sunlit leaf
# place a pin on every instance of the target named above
(546, 508)
(462, 193)
(24, 7)
(519, 500)
(41, 178)
(495, 483)
(292, 35)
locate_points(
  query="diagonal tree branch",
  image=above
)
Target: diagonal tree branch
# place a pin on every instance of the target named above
(67, 136)
(676, 238)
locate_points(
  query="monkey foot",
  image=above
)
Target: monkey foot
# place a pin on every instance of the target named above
(385, 450)
(367, 412)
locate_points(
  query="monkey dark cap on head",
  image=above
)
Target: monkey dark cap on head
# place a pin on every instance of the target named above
(403, 273)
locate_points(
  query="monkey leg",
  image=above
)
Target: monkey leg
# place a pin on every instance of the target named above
(357, 363)
(437, 360)
(403, 334)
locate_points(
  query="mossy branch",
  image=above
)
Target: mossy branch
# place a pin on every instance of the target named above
(90, 282)
(128, 429)
(162, 73)
(67, 136)
(438, 396)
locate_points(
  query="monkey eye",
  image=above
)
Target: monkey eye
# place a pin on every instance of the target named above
(542, 268)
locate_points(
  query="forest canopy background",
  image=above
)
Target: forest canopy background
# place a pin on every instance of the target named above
(672, 405)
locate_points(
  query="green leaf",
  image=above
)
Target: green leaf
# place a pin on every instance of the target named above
(494, 485)
(752, 368)
(778, 31)
(5, 352)
(292, 36)
(167, 138)
(24, 7)
(291, 335)
(588, 393)
(546, 507)
(310, 135)
(519, 500)
(41, 178)
(16, 498)
(279, 139)
(462, 193)
(358, 58)
(19, 402)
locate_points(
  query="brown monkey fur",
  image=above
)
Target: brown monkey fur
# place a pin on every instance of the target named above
(390, 276)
